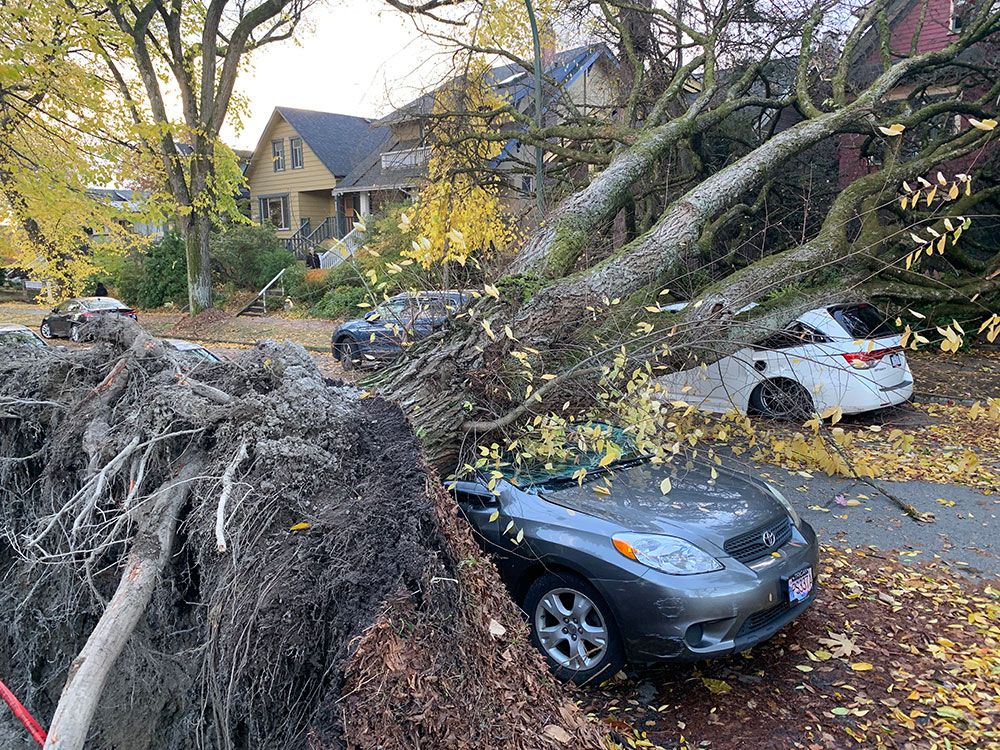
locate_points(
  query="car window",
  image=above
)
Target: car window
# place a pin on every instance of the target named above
(430, 307)
(65, 307)
(20, 338)
(391, 311)
(794, 334)
(862, 321)
(104, 304)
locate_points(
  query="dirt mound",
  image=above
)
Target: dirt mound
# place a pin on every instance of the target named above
(294, 575)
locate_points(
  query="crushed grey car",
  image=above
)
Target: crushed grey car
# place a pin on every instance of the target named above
(714, 567)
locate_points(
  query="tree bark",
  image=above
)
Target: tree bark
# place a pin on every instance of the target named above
(89, 671)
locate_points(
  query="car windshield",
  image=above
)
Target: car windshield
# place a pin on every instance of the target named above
(198, 352)
(862, 321)
(104, 303)
(586, 447)
(389, 311)
(20, 338)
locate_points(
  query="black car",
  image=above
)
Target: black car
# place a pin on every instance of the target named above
(382, 333)
(68, 316)
(609, 569)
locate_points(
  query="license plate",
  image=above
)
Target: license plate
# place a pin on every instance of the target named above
(895, 360)
(800, 585)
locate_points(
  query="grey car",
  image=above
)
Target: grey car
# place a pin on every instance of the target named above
(18, 335)
(711, 568)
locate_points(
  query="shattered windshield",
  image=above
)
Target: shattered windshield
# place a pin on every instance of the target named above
(586, 450)
(20, 338)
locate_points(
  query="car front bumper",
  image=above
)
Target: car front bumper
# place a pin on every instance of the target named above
(689, 618)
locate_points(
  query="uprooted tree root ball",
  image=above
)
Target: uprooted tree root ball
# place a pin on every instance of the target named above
(244, 555)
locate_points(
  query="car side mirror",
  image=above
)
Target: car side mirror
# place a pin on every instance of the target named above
(472, 493)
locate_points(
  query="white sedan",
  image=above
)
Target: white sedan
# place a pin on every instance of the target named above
(842, 355)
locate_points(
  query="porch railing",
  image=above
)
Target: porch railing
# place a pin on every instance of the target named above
(307, 237)
(345, 248)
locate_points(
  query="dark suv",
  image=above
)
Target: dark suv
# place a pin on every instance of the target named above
(399, 321)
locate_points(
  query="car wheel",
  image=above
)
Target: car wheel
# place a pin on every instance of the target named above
(782, 399)
(74, 332)
(46, 330)
(573, 628)
(348, 353)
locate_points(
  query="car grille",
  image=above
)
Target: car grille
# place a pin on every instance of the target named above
(762, 619)
(751, 545)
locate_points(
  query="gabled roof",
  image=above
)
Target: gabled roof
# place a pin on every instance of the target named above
(512, 81)
(338, 141)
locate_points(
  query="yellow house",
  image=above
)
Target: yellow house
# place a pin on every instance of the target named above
(300, 158)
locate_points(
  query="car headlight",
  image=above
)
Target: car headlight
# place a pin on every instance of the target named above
(784, 502)
(666, 553)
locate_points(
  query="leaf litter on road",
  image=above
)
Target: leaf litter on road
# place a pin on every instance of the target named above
(889, 656)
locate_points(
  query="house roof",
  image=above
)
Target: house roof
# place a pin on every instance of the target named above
(337, 140)
(512, 81)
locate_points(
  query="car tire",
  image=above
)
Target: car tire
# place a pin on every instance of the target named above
(45, 330)
(782, 399)
(74, 332)
(586, 648)
(347, 353)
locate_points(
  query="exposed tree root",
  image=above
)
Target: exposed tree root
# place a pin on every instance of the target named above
(120, 472)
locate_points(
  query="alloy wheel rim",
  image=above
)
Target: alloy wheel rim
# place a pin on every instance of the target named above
(571, 629)
(783, 402)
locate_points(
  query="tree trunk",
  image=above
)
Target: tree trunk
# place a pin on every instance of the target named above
(89, 671)
(197, 231)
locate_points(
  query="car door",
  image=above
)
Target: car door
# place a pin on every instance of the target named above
(384, 326)
(61, 322)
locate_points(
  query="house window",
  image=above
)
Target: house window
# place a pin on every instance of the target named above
(278, 154)
(295, 146)
(526, 184)
(275, 209)
(407, 157)
(957, 13)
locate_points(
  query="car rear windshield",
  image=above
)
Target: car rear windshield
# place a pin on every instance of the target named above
(862, 321)
(19, 338)
(103, 304)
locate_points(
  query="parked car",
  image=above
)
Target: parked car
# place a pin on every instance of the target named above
(382, 333)
(16, 335)
(713, 567)
(68, 316)
(841, 355)
(191, 350)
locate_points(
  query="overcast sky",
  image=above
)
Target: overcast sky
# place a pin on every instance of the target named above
(354, 57)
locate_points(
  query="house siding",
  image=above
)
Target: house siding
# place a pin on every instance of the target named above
(313, 176)
(935, 33)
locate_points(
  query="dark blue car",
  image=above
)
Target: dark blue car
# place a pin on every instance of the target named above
(382, 333)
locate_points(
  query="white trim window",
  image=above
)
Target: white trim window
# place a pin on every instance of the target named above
(295, 147)
(407, 157)
(278, 154)
(274, 208)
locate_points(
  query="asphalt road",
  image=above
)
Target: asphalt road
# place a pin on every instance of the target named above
(965, 534)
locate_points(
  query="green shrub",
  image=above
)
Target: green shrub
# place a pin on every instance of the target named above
(247, 256)
(340, 302)
(153, 276)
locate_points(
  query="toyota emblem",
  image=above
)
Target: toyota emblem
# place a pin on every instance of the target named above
(768, 538)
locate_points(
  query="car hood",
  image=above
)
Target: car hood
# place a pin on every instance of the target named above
(696, 505)
(354, 324)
